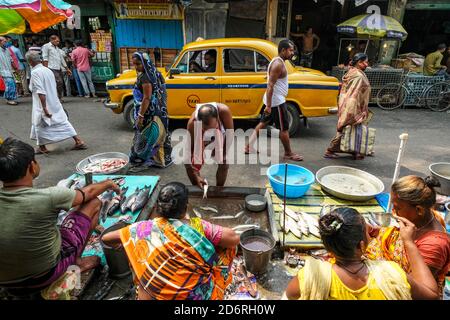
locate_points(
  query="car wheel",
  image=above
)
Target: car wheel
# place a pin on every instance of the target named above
(128, 112)
(293, 120)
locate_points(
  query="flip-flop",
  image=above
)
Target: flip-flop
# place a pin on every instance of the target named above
(330, 156)
(12, 103)
(293, 157)
(80, 147)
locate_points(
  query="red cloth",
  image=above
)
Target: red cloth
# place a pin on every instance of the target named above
(80, 58)
(434, 247)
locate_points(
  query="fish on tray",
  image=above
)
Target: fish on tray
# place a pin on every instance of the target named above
(141, 199)
(106, 199)
(209, 209)
(129, 201)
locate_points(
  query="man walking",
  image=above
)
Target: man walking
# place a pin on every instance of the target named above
(21, 71)
(49, 121)
(274, 99)
(80, 58)
(308, 46)
(7, 74)
(53, 58)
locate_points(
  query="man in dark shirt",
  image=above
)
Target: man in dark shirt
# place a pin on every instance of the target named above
(210, 61)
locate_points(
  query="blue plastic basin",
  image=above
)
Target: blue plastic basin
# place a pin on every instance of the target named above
(299, 180)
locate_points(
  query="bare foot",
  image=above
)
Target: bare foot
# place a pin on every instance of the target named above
(293, 156)
(249, 150)
(88, 263)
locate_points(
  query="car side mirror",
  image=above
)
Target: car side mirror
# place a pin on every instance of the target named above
(174, 72)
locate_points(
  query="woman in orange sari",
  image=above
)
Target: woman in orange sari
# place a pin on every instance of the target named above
(413, 198)
(174, 257)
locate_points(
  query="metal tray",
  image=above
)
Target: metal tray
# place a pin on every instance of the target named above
(105, 155)
(369, 179)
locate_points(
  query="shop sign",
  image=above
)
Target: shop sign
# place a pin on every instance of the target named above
(161, 11)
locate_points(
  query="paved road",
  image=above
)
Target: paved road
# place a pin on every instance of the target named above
(103, 131)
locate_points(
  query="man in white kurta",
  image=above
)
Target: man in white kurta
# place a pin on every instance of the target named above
(49, 123)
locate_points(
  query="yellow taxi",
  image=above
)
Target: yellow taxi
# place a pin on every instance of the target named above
(237, 78)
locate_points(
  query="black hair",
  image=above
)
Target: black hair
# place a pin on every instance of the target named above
(7, 37)
(309, 27)
(79, 43)
(211, 53)
(360, 56)
(206, 112)
(285, 44)
(442, 46)
(69, 42)
(341, 231)
(173, 200)
(54, 37)
(15, 158)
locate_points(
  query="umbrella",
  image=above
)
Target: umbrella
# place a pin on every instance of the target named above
(40, 14)
(374, 25)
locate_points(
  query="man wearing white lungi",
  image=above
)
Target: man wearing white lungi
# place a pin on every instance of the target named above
(49, 120)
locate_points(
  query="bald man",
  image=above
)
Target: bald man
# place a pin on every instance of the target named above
(208, 116)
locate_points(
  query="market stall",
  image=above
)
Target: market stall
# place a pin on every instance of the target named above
(376, 35)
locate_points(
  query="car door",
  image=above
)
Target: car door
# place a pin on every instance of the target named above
(244, 78)
(197, 82)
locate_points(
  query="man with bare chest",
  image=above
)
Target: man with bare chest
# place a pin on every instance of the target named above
(308, 46)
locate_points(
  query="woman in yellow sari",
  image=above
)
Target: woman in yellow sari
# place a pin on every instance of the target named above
(352, 277)
(174, 257)
(413, 198)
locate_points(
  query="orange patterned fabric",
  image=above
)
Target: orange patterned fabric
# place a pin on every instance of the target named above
(174, 261)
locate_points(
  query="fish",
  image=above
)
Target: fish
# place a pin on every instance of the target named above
(313, 224)
(123, 199)
(283, 224)
(240, 213)
(205, 190)
(113, 207)
(303, 225)
(131, 199)
(106, 202)
(292, 214)
(245, 226)
(141, 199)
(293, 227)
(198, 214)
(209, 209)
(222, 217)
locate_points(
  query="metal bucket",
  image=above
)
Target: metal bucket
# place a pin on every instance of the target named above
(116, 258)
(257, 246)
(441, 171)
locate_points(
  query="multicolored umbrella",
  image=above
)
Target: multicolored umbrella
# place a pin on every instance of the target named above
(373, 25)
(40, 14)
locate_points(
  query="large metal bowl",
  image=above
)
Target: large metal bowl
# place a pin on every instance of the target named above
(441, 171)
(373, 182)
(105, 155)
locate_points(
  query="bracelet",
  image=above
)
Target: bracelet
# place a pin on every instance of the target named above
(83, 194)
(140, 115)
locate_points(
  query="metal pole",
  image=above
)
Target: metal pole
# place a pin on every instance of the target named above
(284, 203)
(403, 138)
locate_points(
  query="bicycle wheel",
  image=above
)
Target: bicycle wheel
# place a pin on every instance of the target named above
(391, 96)
(438, 96)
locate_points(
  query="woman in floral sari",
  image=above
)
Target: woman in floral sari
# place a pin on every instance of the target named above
(175, 257)
(353, 103)
(413, 198)
(151, 143)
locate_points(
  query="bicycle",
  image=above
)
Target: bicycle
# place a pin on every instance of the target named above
(435, 96)
(439, 96)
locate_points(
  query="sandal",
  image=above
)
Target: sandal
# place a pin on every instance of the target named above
(12, 103)
(293, 157)
(81, 146)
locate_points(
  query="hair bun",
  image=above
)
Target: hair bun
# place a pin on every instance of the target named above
(330, 224)
(432, 182)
